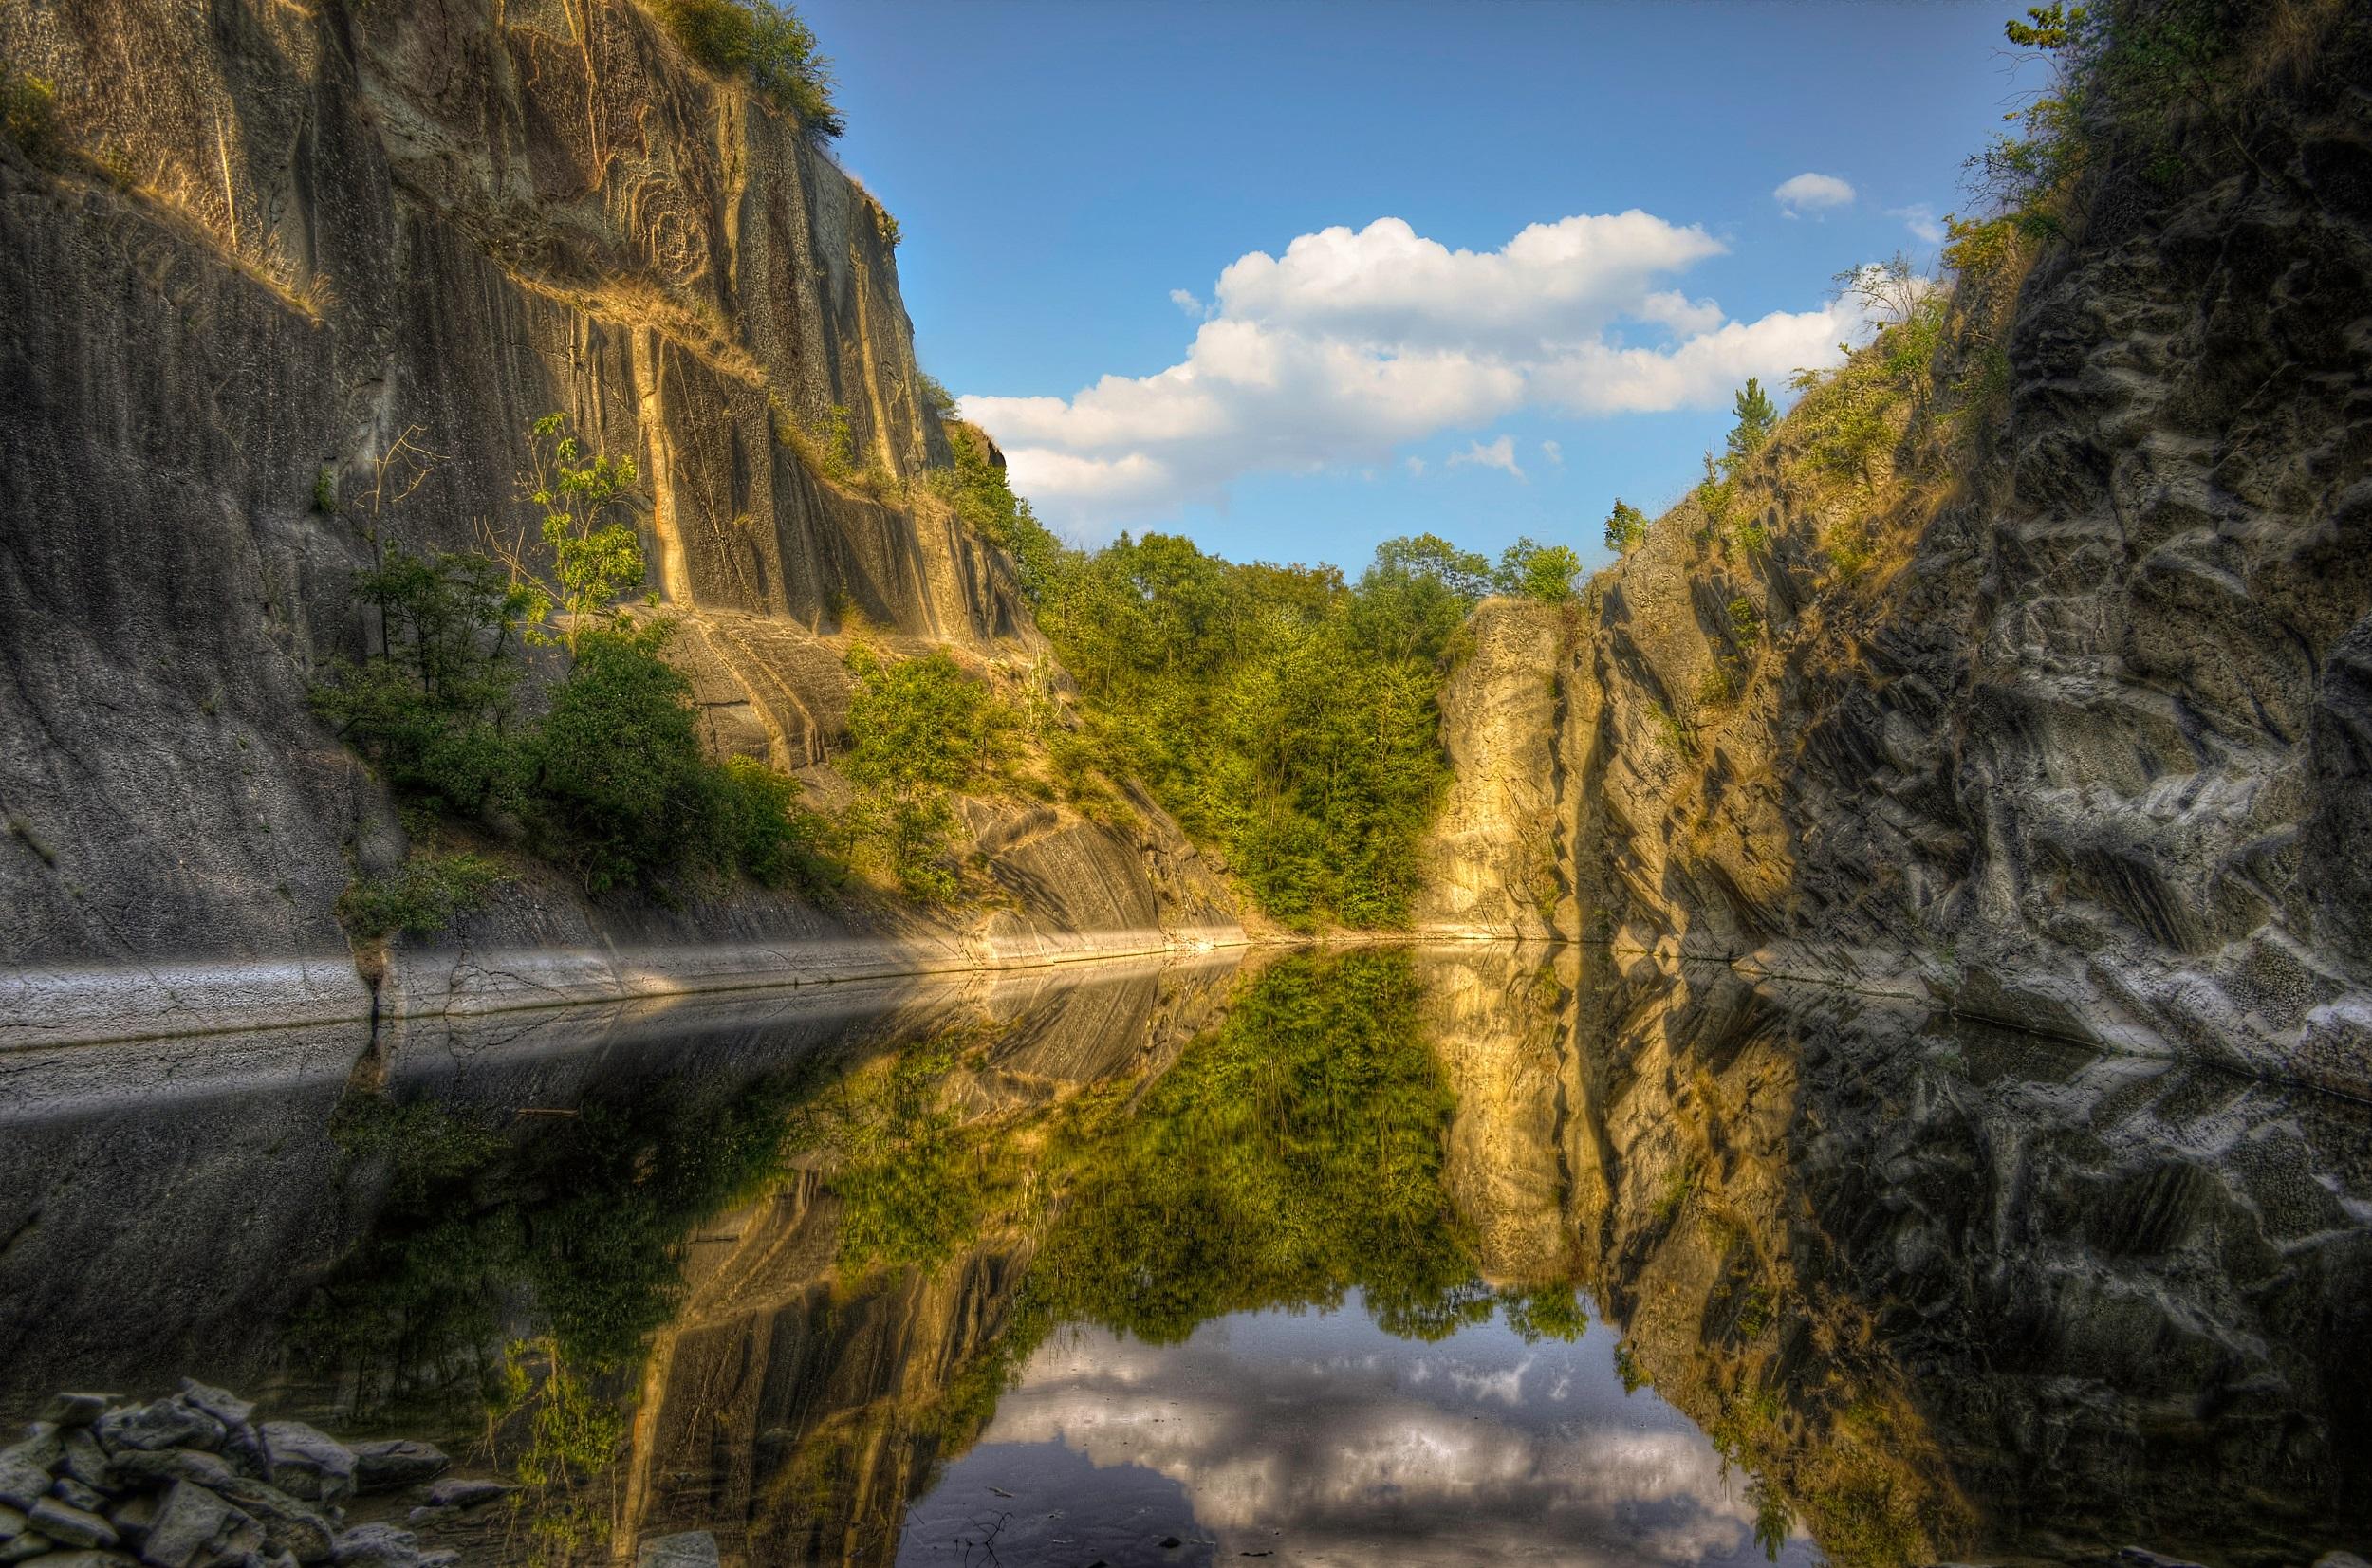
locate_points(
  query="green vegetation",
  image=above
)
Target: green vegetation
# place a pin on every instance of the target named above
(1757, 416)
(1627, 528)
(612, 781)
(764, 41)
(1534, 570)
(1284, 716)
(919, 730)
(422, 897)
(28, 112)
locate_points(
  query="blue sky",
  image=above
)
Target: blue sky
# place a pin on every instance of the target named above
(1060, 169)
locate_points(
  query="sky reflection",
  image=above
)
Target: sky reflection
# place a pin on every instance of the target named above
(1317, 1437)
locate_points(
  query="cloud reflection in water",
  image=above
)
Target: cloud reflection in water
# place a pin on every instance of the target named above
(1319, 1437)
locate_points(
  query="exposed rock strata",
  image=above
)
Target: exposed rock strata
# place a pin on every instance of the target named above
(288, 236)
(2086, 749)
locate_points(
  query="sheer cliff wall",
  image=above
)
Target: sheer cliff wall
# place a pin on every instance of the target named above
(283, 240)
(2058, 714)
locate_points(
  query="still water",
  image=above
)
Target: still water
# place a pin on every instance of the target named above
(1429, 1256)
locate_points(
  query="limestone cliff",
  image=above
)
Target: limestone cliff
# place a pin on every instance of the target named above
(2058, 708)
(286, 241)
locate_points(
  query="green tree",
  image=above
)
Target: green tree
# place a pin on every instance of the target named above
(1545, 572)
(1417, 594)
(1757, 416)
(919, 730)
(595, 558)
(622, 789)
(766, 41)
(436, 708)
(1627, 528)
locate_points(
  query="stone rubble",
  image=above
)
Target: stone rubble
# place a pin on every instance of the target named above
(190, 1481)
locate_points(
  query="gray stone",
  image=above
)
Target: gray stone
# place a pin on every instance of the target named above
(165, 1424)
(289, 1526)
(308, 1463)
(76, 1409)
(133, 1516)
(397, 1461)
(66, 1490)
(82, 1459)
(139, 1468)
(191, 1524)
(691, 1549)
(460, 1493)
(32, 1543)
(69, 1526)
(221, 1403)
(85, 1558)
(21, 1482)
(11, 1523)
(377, 1546)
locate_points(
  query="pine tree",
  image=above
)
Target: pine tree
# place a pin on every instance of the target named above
(1757, 417)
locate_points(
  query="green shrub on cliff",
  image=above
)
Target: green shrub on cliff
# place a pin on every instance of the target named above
(764, 41)
(1627, 528)
(437, 705)
(613, 781)
(28, 112)
(919, 730)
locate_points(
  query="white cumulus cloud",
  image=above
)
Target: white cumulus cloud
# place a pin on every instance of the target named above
(1498, 454)
(1921, 220)
(1810, 192)
(1355, 341)
(1554, 452)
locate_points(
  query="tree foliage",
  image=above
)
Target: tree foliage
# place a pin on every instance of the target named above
(1757, 416)
(612, 781)
(1627, 528)
(1285, 716)
(1544, 572)
(766, 41)
(919, 730)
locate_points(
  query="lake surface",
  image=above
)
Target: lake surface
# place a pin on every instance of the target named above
(1429, 1256)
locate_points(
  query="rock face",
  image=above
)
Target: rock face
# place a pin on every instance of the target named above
(2084, 747)
(290, 242)
(1496, 862)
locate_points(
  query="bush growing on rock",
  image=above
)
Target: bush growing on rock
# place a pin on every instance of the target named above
(1544, 572)
(764, 41)
(613, 781)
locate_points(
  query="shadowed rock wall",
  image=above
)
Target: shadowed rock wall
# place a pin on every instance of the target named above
(286, 239)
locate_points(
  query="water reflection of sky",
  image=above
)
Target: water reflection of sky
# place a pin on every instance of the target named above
(1317, 1437)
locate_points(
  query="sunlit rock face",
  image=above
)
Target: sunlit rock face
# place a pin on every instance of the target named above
(2081, 744)
(1495, 863)
(290, 241)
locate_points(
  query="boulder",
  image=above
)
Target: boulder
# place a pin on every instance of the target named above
(66, 1490)
(385, 1465)
(32, 1543)
(221, 1403)
(194, 1525)
(69, 1526)
(133, 1516)
(165, 1424)
(22, 1482)
(80, 1458)
(460, 1493)
(11, 1523)
(76, 1409)
(307, 1462)
(86, 1557)
(289, 1526)
(161, 1466)
(386, 1546)
(691, 1549)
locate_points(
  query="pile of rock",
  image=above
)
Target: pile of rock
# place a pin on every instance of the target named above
(194, 1482)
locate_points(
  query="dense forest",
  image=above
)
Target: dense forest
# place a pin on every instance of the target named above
(1283, 714)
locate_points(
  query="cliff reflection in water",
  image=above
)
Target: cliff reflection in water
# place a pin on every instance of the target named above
(1452, 1254)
